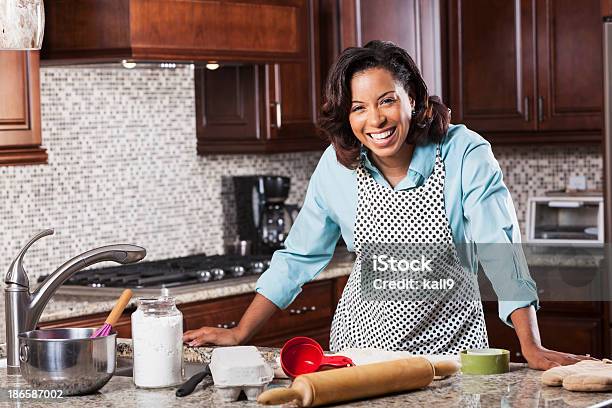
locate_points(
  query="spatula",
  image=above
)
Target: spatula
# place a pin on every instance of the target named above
(114, 315)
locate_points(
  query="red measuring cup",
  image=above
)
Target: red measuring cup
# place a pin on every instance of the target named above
(303, 355)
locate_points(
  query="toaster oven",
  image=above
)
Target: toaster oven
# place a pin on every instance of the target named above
(565, 220)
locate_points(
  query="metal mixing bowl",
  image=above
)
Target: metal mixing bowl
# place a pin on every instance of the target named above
(67, 359)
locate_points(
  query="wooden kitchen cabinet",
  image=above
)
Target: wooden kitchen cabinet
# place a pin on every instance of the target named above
(414, 25)
(527, 71)
(565, 329)
(574, 327)
(83, 31)
(123, 326)
(20, 134)
(310, 315)
(268, 108)
(222, 313)
(310, 312)
(227, 111)
(570, 65)
(339, 285)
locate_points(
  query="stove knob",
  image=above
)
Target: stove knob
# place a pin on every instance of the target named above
(204, 276)
(257, 267)
(218, 273)
(267, 263)
(237, 271)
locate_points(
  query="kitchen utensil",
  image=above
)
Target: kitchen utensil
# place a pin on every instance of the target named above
(303, 355)
(190, 385)
(67, 359)
(485, 361)
(239, 368)
(350, 383)
(114, 315)
(444, 365)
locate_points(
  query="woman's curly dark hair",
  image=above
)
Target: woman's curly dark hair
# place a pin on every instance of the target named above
(429, 123)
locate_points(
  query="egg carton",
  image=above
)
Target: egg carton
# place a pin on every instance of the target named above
(239, 368)
(229, 394)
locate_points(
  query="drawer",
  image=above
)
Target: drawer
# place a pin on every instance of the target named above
(312, 309)
(321, 335)
(585, 308)
(123, 327)
(225, 312)
(581, 335)
(562, 290)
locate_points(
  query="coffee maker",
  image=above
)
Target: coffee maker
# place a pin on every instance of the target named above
(262, 215)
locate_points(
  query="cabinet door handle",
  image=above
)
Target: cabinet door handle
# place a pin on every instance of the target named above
(526, 108)
(540, 108)
(229, 325)
(278, 114)
(302, 310)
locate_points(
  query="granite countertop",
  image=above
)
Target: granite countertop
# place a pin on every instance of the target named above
(576, 259)
(62, 306)
(520, 387)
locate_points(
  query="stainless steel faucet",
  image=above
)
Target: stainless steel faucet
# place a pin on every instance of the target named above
(23, 309)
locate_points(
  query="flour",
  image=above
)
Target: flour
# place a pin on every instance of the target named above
(157, 339)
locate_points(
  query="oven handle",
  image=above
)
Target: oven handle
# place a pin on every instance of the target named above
(565, 204)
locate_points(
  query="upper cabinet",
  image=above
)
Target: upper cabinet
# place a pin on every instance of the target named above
(20, 135)
(266, 108)
(570, 65)
(414, 25)
(525, 70)
(187, 30)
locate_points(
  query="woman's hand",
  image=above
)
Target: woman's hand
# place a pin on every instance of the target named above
(540, 358)
(256, 315)
(212, 335)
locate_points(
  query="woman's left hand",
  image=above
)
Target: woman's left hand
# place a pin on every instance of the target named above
(540, 358)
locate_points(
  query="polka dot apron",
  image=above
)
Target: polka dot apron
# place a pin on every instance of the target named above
(431, 321)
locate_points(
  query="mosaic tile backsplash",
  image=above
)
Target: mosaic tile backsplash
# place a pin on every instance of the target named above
(530, 171)
(123, 168)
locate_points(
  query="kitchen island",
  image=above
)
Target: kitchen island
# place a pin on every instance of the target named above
(520, 387)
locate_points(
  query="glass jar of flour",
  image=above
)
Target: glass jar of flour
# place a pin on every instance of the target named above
(157, 342)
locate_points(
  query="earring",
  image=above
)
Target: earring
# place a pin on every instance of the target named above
(413, 113)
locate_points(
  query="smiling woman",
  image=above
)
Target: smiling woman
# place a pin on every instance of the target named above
(354, 112)
(400, 181)
(380, 121)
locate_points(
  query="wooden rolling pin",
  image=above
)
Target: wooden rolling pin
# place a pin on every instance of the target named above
(350, 383)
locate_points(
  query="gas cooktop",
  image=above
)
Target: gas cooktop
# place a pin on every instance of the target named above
(176, 275)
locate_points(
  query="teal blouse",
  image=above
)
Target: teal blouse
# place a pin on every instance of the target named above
(477, 202)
